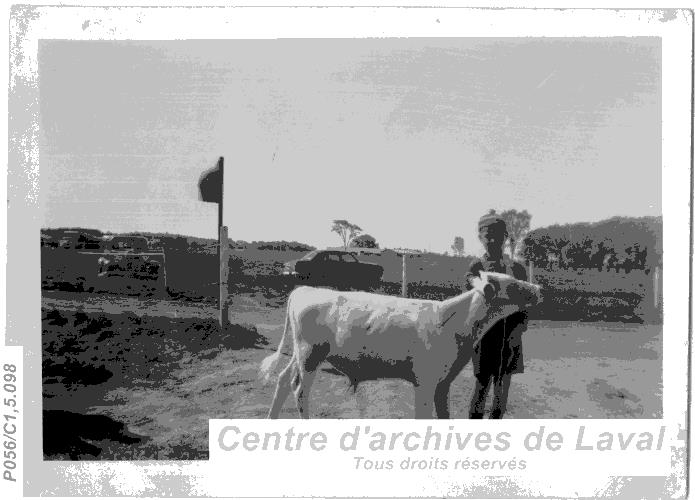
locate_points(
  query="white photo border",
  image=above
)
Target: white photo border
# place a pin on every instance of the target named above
(29, 24)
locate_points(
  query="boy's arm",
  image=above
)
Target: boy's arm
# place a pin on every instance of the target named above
(519, 321)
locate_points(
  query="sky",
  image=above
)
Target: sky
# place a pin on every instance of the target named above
(412, 139)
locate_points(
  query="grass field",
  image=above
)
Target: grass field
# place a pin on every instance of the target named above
(139, 379)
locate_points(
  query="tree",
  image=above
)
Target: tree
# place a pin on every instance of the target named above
(625, 242)
(346, 230)
(518, 225)
(364, 241)
(457, 247)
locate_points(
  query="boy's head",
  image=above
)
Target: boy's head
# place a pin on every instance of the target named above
(492, 231)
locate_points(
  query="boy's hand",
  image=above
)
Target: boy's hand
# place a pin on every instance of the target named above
(469, 280)
(473, 272)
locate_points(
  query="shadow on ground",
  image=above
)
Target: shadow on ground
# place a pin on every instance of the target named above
(71, 435)
(87, 355)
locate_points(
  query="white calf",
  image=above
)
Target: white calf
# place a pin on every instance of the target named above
(367, 336)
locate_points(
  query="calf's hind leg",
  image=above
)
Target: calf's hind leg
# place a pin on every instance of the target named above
(282, 389)
(309, 357)
(301, 393)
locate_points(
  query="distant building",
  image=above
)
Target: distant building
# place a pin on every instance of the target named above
(358, 250)
(408, 251)
(380, 251)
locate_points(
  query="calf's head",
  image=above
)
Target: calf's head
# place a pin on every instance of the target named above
(500, 296)
(504, 290)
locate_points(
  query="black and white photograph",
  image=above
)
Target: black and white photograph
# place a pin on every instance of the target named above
(454, 226)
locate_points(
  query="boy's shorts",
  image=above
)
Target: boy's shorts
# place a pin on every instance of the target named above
(500, 351)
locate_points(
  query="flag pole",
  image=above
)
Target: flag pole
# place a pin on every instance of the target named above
(219, 214)
(222, 251)
(404, 280)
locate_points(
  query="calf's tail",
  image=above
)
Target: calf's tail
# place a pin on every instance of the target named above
(269, 364)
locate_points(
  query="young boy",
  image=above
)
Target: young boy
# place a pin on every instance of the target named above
(499, 354)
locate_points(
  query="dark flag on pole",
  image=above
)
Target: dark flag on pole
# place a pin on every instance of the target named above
(210, 184)
(211, 190)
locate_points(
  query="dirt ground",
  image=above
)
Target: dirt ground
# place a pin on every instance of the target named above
(573, 370)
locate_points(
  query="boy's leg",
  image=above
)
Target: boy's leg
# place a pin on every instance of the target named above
(500, 394)
(477, 407)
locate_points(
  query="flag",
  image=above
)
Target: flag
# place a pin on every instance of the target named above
(210, 184)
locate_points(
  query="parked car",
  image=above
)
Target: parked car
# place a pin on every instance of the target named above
(128, 272)
(335, 268)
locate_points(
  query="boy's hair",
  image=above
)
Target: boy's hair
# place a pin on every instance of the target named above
(491, 220)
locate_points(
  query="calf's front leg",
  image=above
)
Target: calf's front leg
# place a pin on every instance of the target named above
(424, 401)
(441, 399)
(441, 392)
